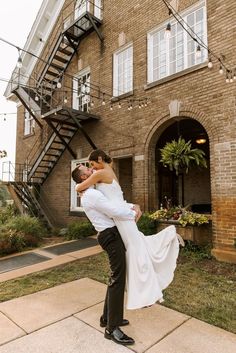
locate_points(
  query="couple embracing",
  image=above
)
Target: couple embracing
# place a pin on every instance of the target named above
(145, 264)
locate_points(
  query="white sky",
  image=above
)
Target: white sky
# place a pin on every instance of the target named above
(16, 20)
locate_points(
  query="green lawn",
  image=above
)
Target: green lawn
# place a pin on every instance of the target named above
(202, 287)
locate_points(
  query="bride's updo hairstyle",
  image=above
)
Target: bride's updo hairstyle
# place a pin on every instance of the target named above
(99, 153)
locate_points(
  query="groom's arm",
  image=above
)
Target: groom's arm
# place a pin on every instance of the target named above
(99, 202)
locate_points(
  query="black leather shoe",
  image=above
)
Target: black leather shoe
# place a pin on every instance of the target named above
(103, 323)
(119, 337)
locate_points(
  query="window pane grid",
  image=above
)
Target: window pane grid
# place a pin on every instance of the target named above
(169, 56)
(123, 71)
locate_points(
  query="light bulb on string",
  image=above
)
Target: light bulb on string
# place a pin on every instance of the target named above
(146, 103)
(234, 75)
(231, 80)
(58, 84)
(19, 61)
(92, 103)
(103, 100)
(111, 106)
(65, 100)
(227, 77)
(198, 51)
(168, 31)
(210, 64)
(221, 71)
(36, 98)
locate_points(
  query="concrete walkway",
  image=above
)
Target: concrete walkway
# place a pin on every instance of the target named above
(51, 261)
(65, 319)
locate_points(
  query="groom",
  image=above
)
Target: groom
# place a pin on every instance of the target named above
(100, 212)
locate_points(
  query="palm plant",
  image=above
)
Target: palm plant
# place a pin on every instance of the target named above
(178, 155)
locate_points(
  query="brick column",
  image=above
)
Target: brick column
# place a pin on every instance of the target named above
(224, 201)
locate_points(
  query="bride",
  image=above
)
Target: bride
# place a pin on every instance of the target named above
(150, 260)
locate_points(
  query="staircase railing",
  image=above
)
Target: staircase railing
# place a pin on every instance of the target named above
(17, 174)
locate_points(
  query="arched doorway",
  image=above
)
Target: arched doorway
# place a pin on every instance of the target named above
(192, 189)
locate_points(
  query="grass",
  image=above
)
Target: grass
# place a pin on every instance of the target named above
(202, 287)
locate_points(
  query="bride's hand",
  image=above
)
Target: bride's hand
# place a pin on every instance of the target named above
(138, 211)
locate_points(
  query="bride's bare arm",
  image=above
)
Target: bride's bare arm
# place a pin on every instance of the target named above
(92, 180)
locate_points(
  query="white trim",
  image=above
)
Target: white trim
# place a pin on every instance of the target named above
(38, 27)
(116, 90)
(73, 193)
(81, 73)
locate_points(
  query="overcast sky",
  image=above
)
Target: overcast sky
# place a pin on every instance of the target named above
(16, 20)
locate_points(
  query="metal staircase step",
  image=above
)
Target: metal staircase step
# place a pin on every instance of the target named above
(65, 51)
(58, 67)
(51, 73)
(61, 59)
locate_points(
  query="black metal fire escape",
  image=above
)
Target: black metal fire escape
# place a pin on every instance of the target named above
(63, 120)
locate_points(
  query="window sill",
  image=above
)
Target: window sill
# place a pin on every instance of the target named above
(175, 76)
(77, 213)
(124, 95)
(28, 135)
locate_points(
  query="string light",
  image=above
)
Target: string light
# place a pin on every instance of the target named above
(103, 99)
(59, 84)
(227, 77)
(221, 71)
(198, 52)
(36, 98)
(19, 61)
(210, 64)
(65, 100)
(111, 106)
(168, 31)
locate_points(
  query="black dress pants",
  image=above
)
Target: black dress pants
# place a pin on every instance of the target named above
(110, 240)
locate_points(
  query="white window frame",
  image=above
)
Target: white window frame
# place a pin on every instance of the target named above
(74, 198)
(98, 9)
(150, 36)
(81, 6)
(117, 90)
(29, 123)
(84, 97)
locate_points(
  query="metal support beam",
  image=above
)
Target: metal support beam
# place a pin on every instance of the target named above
(61, 138)
(95, 27)
(27, 108)
(83, 131)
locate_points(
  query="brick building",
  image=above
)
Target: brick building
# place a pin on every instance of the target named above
(108, 78)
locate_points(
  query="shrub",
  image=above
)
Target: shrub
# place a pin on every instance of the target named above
(7, 213)
(147, 225)
(20, 232)
(27, 225)
(78, 230)
(11, 241)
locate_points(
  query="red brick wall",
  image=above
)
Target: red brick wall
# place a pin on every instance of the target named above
(203, 94)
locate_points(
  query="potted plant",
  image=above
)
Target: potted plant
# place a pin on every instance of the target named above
(179, 155)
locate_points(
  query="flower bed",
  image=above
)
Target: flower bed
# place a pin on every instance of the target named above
(191, 226)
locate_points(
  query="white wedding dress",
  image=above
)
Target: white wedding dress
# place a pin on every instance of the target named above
(150, 260)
